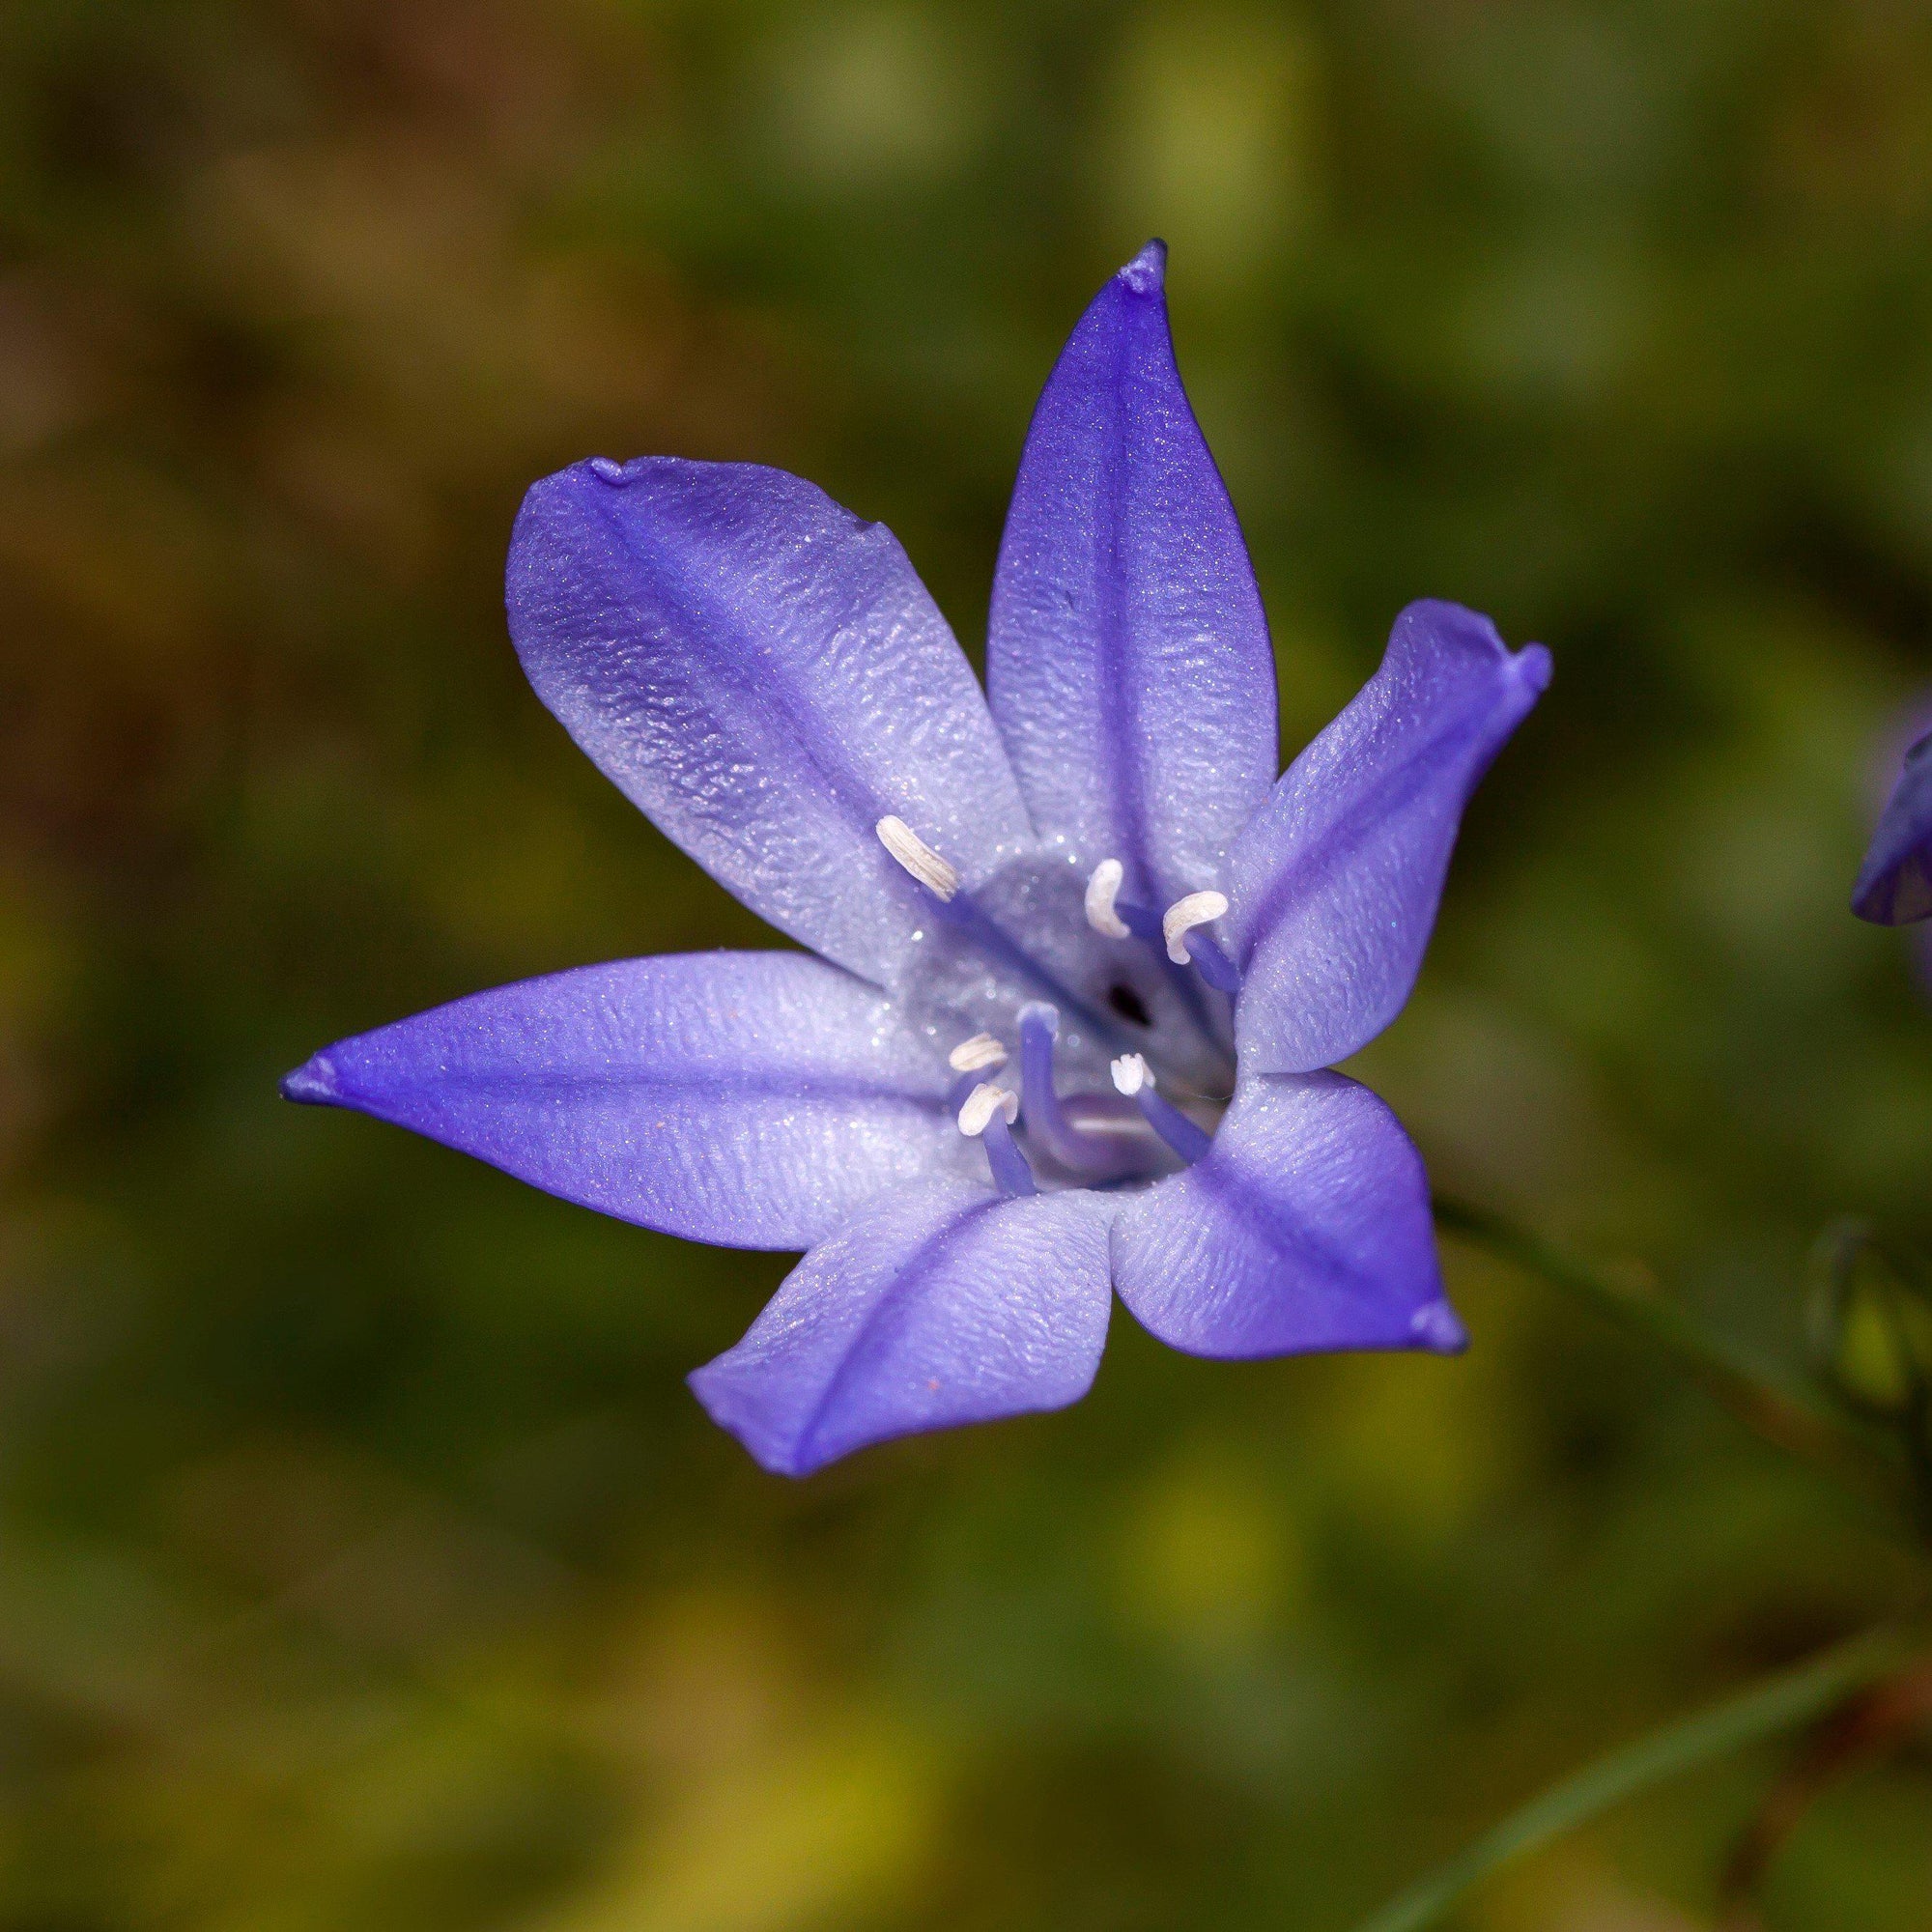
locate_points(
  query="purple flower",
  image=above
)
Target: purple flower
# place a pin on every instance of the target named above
(1082, 961)
(1895, 884)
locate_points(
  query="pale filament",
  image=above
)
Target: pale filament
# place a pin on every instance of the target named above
(1184, 1137)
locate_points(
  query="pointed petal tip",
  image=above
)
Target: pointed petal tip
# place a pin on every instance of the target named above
(578, 488)
(1535, 666)
(312, 1084)
(714, 1386)
(1439, 1329)
(1147, 273)
(1532, 665)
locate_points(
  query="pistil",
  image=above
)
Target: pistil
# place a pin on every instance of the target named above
(1047, 1119)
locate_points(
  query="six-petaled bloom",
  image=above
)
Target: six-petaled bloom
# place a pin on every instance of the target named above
(1079, 959)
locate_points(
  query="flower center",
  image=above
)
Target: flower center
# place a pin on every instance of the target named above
(1043, 964)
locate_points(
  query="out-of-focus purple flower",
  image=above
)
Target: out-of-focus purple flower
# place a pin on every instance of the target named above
(1081, 959)
(1894, 885)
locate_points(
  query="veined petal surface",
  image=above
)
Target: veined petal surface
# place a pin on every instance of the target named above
(1127, 659)
(936, 1304)
(1306, 1226)
(764, 675)
(752, 1099)
(1895, 884)
(1336, 881)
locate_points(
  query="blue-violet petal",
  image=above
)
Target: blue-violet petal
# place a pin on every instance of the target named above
(1894, 885)
(766, 677)
(1127, 658)
(1335, 883)
(936, 1304)
(749, 1099)
(1306, 1226)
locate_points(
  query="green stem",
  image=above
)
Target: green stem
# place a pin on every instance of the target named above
(1778, 1704)
(1782, 1408)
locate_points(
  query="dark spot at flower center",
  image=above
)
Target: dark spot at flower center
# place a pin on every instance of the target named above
(1129, 1005)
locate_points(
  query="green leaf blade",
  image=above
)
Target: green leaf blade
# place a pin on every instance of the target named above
(1776, 1705)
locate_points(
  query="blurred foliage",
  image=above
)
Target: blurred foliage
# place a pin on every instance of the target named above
(364, 1561)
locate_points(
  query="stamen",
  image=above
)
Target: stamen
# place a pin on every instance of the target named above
(1213, 965)
(1112, 916)
(934, 873)
(1134, 1078)
(1184, 915)
(959, 1091)
(1011, 1175)
(1146, 927)
(987, 1117)
(975, 1055)
(983, 1103)
(1102, 888)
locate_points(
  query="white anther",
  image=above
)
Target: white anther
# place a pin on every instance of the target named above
(1102, 889)
(983, 1103)
(1130, 1074)
(918, 857)
(1185, 915)
(975, 1055)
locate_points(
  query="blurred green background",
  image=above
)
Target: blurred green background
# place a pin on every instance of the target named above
(364, 1561)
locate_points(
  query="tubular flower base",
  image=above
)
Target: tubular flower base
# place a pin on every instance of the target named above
(1082, 958)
